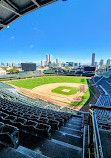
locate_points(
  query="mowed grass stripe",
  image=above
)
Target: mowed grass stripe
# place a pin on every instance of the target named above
(32, 83)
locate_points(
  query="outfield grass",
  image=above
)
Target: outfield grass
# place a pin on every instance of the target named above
(32, 83)
(59, 90)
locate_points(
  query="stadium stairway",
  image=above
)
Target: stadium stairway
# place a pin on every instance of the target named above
(106, 142)
(67, 142)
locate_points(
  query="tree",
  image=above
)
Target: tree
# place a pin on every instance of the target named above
(13, 70)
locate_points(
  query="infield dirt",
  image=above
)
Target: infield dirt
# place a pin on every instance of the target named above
(45, 90)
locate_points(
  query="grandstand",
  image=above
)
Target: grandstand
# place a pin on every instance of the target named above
(107, 74)
(22, 75)
(40, 120)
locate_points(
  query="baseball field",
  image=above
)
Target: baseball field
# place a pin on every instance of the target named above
(76, 91)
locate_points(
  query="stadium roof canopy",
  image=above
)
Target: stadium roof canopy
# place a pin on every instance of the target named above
(11, 10)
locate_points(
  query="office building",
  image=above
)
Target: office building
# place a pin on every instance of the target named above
(8, 64)
(58, 62)
(101, 62)
(2, 64)
(2, 72)
(13, 64)
(96, 64)
(108, 62)
(75, 64)
(93, 59)
(49, 59)
(70, 64)
(43, 63)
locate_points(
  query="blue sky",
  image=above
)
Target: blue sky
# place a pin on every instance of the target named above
(70, 30)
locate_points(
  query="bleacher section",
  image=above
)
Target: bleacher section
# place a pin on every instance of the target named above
(105, 90)
(8, 92)
(103, 115)
(22, 75)
(108, 73)
(102, 109)
(104, 100)
(38, 123)
(103, 82)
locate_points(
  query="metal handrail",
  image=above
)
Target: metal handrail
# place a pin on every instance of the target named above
(83, 152)
(100, 107)
(96, 136)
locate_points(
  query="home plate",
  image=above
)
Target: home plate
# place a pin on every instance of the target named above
(65, 90)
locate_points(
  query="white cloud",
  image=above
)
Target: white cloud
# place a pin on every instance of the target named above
(36, 29)
(12, 37)
(31, 46)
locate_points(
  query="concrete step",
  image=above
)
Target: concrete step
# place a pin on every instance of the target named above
(78, 127)
(78, 119)
(105, 136)
(75, 123)
(12, 153)
(71, 131)
(52, 148)
(68, 138)
(30, 152)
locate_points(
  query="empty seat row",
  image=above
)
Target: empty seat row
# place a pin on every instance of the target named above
(24, 125)
(103, 117)
(9, 135)
(20, 110)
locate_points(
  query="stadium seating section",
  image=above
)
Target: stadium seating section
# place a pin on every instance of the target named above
(36, 128)
(22, 75)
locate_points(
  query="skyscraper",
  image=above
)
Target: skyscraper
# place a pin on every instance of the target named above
(58, 62)
(108, 62)
(8, 64)
(13, 64)
(49, 59)
(2, 64)
(43, 63)
(101, 62)
(93, 59)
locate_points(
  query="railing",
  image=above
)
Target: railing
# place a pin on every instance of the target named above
(103, 90)
(93, 106)
(84, 133)
(95, 146)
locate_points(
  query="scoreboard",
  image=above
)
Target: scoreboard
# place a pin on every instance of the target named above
(28, 66)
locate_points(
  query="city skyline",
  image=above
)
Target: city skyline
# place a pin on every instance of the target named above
(93, 61)
(51, 60)
(77, 34)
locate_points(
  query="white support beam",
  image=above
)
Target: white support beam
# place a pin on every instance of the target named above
(10, 8)
(36, 3)
(11, 4)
